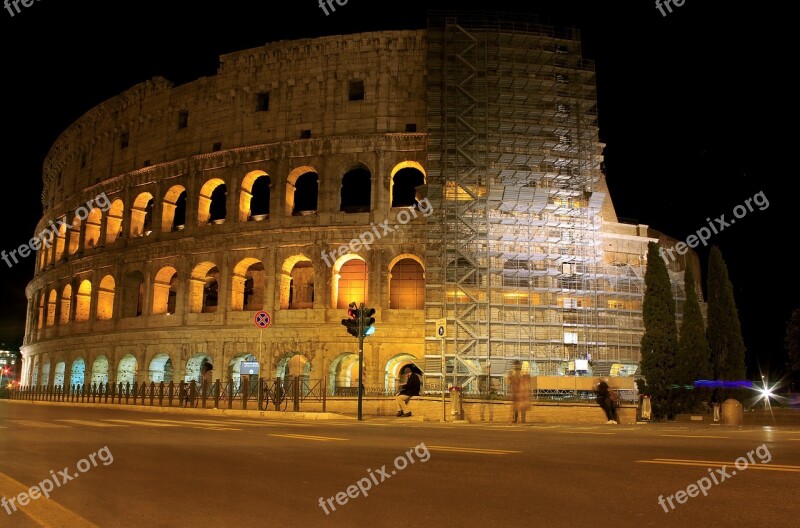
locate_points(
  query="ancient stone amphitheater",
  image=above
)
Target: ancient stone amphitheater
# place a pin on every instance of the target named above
(470, 154)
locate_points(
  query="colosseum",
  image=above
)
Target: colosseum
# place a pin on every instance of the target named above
(448, 174)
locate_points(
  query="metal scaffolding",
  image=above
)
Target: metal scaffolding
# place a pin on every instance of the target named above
(515, 258)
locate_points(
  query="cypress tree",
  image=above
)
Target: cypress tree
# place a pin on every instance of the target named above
(693, 361)
(660, 339)
(724, 331)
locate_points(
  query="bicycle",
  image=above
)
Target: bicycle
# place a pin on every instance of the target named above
(279, 397)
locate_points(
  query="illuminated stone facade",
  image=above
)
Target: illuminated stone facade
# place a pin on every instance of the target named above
(227, 195)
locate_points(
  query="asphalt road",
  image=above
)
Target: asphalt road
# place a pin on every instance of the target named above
(155, 469)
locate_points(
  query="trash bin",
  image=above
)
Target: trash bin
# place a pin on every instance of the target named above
(732, 412)
(456, 412)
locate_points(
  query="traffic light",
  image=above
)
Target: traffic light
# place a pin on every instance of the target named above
(351, 323)
(368, 321)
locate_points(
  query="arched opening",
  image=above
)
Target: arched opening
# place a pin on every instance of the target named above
(235, 371)
(45, 378)
(105, 298)
(356, 193)
(254, 196)
(100, 370)
(211, 196)
(297, 283)
(126, 371)
(203, 288)
(343, 375)
(41, 311)
(92, 236)
(83, 301)
(161, 369)
(302, 191)
(218, 210)
(392, 371)
(294, 365)
(51, 308)
(58, 374)
(193, 368)
(247, 285)
(61, 235)
(406, 177)
(350, 281)
(173, 209)
(165, 291)
(141, 215)
(66, 304)
(74, 236)
(35, 373)
(133, 294)
(77, 374)
(406, 284)
(114, 221)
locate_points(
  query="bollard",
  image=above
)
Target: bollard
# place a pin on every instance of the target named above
(732, 412)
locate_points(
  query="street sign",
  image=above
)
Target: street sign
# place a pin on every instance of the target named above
(249, 368)
(262, 319)
(441, 328)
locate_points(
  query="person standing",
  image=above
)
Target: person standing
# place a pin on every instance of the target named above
(407, 390)
(520, 385)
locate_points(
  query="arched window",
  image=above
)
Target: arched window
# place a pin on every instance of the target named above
(254, 197)
(407, 285)
(351, 281)
(165, 289)
(105, 298)
(247, 285)
(83, 301)
(93, 221)
(133, 294)
(211, 203)
(141, 215)
(173, 209)
(406, 177)
(301, 191)
(114, 221)
(66, 303)
(356, 191)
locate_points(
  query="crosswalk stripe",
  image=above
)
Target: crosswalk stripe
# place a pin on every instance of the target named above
(39, 425)
(139, 422)
(91, 424)
(308, 437)
(473, 450)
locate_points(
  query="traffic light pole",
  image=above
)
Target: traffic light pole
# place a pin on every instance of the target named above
(360, 357)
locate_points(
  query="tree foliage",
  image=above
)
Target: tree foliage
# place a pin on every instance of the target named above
(660, 341)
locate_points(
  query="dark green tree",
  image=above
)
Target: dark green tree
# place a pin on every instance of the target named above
(792, 340)
(660, 339)
(724, 331)
(693, 361)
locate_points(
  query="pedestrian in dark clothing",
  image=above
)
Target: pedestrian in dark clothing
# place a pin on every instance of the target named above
(407, 390)
(606, 402)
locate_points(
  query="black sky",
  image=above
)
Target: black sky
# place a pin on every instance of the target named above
(693, 108)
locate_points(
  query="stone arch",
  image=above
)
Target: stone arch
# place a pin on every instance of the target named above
(91, 237)
(126, 369)
(406, 283)
(165, 291)
(59, 373)
(306, 180)
(254, 197)
(51, 307)
(203, 288)
(296, 283)
(66, 304)
(208, 198)
(350, 281)
(343, 373)
(114, 221)
(355, 195)
(173, 209)
(391, 373)
(77, 373)
(141, 215)
(105, 298)
(133, 294)
(404, 178)
(248, 284)
(161, 369)
(99, 370)
(193, 364)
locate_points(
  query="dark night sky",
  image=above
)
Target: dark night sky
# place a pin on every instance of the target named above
(690, 108)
